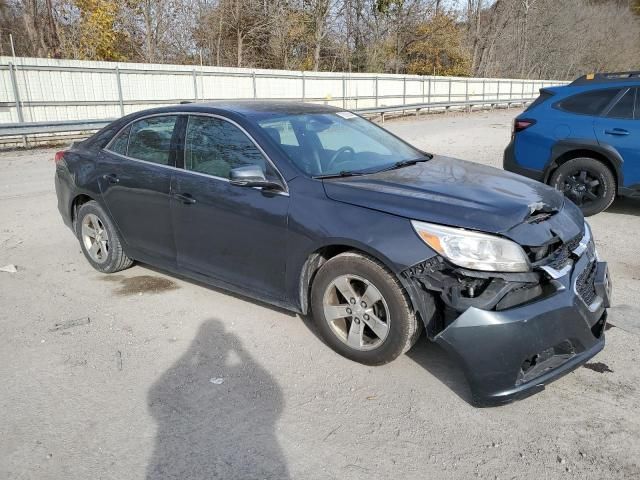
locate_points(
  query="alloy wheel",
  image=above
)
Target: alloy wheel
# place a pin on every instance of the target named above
(582, 187)
(95, 238)
(356, 312)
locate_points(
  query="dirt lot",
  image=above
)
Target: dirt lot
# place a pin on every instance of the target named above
(145, 375)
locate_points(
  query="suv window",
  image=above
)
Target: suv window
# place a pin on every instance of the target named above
(121, 142)
(215, 147)
(150, 139)
(589, 103)
(623, 109)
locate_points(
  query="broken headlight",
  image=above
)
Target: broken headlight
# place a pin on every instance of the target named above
(473, 250)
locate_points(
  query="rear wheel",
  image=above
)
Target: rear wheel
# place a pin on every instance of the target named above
(99, 239)
(362, 311)
(587, 182)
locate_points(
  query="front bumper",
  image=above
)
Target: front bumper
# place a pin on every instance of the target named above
(514, 353)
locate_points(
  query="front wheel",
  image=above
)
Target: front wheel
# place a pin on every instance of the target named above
(362, 311)
(587, 182)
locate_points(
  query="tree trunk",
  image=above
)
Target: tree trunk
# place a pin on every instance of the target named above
(239, 40)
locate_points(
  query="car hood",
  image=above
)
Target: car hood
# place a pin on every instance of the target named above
(463, 194)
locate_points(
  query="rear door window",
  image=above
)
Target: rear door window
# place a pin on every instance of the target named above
(589, 103)
(150, 139)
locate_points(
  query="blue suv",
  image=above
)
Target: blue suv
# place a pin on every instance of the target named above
(583, 139)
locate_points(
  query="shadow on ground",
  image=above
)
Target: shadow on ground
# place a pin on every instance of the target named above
(216, 411)
(430, 356)
(435, 360)
(625, 206)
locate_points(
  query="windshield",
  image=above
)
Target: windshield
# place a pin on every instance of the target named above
(333, 143)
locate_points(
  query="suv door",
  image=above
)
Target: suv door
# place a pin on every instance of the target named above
(136, 168)
(235, 234)
(619, 126)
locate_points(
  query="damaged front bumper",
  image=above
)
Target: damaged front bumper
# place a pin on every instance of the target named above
(552, 322)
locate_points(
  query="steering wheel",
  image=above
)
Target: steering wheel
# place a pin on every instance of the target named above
(336, 155)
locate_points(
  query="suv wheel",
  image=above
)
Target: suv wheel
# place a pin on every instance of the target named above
(587, 182)
(362, 311)
(99, 239)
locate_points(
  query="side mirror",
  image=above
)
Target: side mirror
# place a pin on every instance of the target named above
(252, 176)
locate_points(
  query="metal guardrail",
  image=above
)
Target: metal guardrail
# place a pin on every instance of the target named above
(36, 128)
(434, 92)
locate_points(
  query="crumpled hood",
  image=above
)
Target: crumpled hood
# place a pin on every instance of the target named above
(463, 194)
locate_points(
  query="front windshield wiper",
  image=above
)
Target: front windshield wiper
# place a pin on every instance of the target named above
(405, 163)
(343, 173)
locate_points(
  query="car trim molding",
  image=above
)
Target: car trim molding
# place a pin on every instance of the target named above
(184, 170)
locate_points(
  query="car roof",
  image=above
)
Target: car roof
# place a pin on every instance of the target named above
(256, 107)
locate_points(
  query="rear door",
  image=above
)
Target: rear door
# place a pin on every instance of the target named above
(135, 183)
(234, 234)
(619, 126)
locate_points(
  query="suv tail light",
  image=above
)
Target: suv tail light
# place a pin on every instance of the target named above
(58, 157)
(520, 125)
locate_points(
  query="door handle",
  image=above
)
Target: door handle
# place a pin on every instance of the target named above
(111, 178)
(617, 131)
(185, 198)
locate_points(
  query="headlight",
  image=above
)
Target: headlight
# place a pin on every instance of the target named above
(477, 251)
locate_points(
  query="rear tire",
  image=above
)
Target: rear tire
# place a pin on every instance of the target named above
(373, 320)
(587, 182)
(99, 239)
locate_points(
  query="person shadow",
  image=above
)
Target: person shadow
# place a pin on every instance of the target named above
(216, 411)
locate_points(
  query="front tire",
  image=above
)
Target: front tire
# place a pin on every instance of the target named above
(362, 311)
(587, 182)
(99, 239)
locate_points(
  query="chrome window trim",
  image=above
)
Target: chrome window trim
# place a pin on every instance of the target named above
(203, 114)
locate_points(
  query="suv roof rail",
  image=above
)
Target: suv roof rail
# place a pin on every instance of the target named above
(606, 77)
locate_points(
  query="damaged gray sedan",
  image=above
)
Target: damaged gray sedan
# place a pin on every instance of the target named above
(319, 211)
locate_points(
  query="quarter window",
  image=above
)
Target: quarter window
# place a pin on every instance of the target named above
(150, 139)
(589, 103)
(623, 109)
(215, 147)
(121, 142)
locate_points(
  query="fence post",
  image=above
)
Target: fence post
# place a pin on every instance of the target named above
(119, 84)
(376, 92)
(404, 90)
(449, 90)
(484, 82)
(253, 82)
(16, 96)
(303, 87)
(195, 84)
(466, 94)
(344, 91)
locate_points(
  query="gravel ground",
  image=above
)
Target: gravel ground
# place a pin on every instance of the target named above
(142, 374)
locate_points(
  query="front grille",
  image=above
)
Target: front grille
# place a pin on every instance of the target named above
(573, 244)
(560, 258)
(585, 284)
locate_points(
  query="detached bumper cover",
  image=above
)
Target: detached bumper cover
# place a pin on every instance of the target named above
(513, 353)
